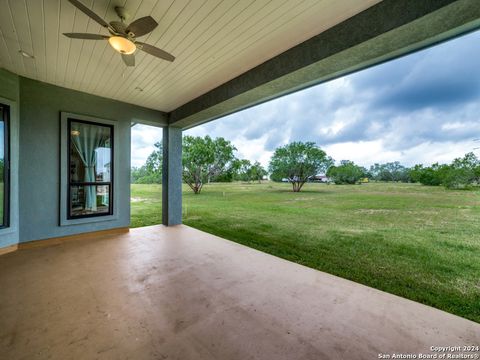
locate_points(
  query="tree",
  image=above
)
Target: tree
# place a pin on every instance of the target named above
(297, 162)
(151, 171)
(155, 159)
(392, 171)
(346, 173)
(462, 172)
(142, 176)
(242, 169)
(257, 172)
(246, 171)
(204, 159)
(432, 175)
(416, 173)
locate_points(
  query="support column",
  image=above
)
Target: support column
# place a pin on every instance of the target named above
(172, 176)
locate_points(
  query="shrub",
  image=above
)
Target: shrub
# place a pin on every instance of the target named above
(346, 173)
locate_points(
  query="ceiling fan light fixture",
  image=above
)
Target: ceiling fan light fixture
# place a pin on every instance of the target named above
(122, 45)
(123, 36)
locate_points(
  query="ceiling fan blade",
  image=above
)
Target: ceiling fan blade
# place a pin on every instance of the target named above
(142, 26)
(89, 13)
(119, 27)
(129, 60)
(85, 36)
(152, 50)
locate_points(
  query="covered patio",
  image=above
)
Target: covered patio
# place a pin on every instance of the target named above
(178, 293)
(75, 283)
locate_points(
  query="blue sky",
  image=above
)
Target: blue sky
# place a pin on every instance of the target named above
(422, 108)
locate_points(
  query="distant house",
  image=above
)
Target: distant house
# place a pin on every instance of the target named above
(320, 178)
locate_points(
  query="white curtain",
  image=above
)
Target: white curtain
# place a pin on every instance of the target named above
(86, 139)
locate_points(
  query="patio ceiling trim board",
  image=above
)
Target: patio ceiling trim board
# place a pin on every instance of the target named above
(385, 31)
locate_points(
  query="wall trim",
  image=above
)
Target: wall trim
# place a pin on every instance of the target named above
(81, 236)
(8, 249)
(101, 234)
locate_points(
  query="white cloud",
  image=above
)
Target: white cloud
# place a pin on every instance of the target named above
(253, 150)
(414, 110)
(361, 152)
(143, 139)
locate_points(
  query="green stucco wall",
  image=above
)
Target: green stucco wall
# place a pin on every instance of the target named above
(9, 85)
(39, 171)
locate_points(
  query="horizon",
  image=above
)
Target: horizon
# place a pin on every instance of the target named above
(401, 110)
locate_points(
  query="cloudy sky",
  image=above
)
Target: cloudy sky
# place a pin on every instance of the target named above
(422, 108)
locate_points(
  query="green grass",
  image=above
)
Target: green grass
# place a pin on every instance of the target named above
(422, 243)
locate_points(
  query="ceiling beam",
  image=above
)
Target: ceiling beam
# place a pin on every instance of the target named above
(387, 30)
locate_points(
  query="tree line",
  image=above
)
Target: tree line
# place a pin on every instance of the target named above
(207, 160)
(461, 173)
(204, 160)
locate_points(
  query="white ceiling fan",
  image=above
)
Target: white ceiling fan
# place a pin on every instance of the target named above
(123, 37)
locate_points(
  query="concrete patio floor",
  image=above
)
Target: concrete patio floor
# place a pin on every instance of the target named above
(179, 293)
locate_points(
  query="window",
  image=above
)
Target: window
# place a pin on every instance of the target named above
(4, 166)
(90, 165)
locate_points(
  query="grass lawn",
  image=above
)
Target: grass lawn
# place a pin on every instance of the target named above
(419, 242)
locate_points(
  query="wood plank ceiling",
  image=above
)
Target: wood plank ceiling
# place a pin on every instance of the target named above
(213, 41)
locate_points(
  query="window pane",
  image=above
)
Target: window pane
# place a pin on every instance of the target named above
(2, 168)
(88, 200)
(90, 152)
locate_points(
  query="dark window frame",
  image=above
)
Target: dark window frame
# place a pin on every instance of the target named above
(71, 183)
(5, 109)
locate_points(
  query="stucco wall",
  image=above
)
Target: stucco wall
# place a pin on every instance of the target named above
(9, 85)
(39, 171)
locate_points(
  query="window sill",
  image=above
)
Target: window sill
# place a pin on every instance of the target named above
(8, 230)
